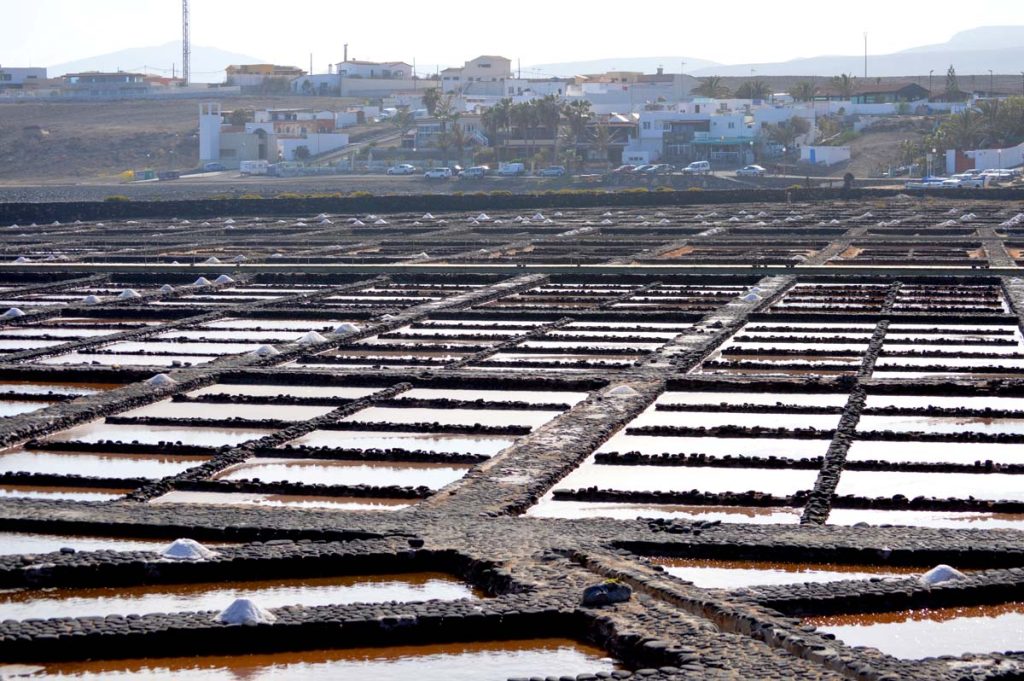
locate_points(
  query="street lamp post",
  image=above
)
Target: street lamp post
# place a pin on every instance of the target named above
(930, 83)
(990, 80)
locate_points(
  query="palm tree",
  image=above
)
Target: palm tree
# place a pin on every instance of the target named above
(712, 87)
(786, 133)
(496, 121)
(577, 114)
(455, 138)
(804, 91)
(753, 89)
(431, 98)
(523, 117)
(602, 140)
(964, 130)
(844, 84)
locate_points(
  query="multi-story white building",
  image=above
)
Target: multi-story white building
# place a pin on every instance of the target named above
(485, 75)
(17, 77)
(387, 70)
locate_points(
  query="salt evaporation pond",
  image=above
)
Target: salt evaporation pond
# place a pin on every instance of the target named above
(445, 662)
(283, 501)
(96, 465)
(431, 442)
(377, 474)
(735, 574)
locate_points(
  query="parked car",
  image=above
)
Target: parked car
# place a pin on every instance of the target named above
(475, 173)
(698, 168)
(624, 169)
(641, 169)
(438, 174)
(512, 170)
(213, 167)
(751, 171)
(657, 169)
(552, 171)
(401, 169)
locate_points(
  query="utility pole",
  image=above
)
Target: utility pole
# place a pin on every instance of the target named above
(990, 85)
(865, 55)
(186, 45)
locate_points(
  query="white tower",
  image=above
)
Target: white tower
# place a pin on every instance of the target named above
(209, 131)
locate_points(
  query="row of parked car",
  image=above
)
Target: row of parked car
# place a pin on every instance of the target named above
(475, 172)
(970, 179)
(695, 168)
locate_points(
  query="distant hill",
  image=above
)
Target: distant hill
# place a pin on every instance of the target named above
(644, 64)
(208, 63)
(1000, 48)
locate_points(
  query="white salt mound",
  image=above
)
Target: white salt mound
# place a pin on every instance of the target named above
(212, 261)
(201, 281)
(160, 379)
(622, 391)
(22, 258)
(166, 288)
(346, 327)
(187, 549)
(427, 216)
(239, 258)
(90, 300)
(244, 611)
(310, 338)
(128, 294)
(265, 351)
(223, 279)
(12, 313)
(941, 573)
(751, 298)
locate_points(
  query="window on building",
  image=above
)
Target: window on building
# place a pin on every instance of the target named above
(732, 125)
(647, 125)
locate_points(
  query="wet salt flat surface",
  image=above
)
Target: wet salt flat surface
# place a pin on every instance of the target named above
(204, 410)
(532, 397)
(128, 360)
(60, 493)
(950, 519)
(12, 345)
(12, 543)
(431, 442)
(953, 363)
(268, 390)
(237, 335)
(382, 474)
(548, 508)
(54, 331)
(11, 408)
(140, 600)
(283, 501)
(57, 388)
(185, 348)
(778, 482)
(447, 662)
(97, 431)
(761, 447)
(915, 634)
(767, 399)
(300, 325)
(941, 424)
(488, 417)
(95, 465)
(996, 486)
(935, 452)
(735, 574)
(945, 402)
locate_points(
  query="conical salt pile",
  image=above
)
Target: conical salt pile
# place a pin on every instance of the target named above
(201, 281)
(128, 294)
(211, 261)
(244, 611)
(941, 573)
(223, 279)
(265, 351)
(166, 288)
(346, 327)
(90, 300)
(310, 338)
(160, 380)
(187, 549)
(12, 313)
(622, 391)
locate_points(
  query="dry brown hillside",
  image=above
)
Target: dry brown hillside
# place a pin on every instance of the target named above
(51, 141)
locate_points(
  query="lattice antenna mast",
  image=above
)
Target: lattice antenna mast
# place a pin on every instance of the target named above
(186, 46)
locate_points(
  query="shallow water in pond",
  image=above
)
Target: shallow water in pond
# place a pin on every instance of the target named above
(57, 332)
(32, 388)
(936, 452)
(205, 410)
(268, 390)
(718, 446)
(735, 574)
(283, 501)
(301, 325)
(548, 508)
(97, 431)
(487, 417)
(712, 419)
(139, 600)
(237, 335)
(13, 345)
(96, 465)
(913, 634)
(778, 482)
(951, 519)
(768, 399)
(429, 442)
(61, 493)
(12, 543)
(185, 348)
(945, 402)
(448, 662)
(873, 484)
(533, 397)
(382, 474)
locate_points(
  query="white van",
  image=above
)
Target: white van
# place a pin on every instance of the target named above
(512, 170)
(698, 168)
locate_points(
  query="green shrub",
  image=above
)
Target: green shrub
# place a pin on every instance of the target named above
(361, 195)
(116, 197)
(250, 197)
(289, 195)
(694, 189)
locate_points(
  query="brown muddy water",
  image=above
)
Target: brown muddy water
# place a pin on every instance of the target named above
(736, 574)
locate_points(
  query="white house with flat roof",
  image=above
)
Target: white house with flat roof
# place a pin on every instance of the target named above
(20, 76)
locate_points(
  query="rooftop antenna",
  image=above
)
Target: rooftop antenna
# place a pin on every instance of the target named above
(186, 46)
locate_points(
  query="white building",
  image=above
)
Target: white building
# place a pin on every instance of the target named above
(387, 70)
(20, 76)
(485, 75)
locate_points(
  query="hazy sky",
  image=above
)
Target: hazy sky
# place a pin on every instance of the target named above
(47, 32)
